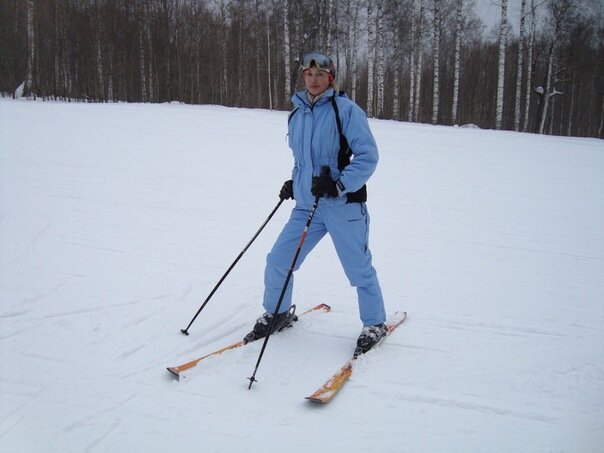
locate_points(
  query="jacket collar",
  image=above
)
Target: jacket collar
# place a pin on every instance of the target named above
(300, 99)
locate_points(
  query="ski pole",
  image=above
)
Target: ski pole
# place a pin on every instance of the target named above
(252, 379)
(186, 331)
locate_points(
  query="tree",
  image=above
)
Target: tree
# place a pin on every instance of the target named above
(519, 70)
(418, 61)
(380, 59)
(413, 59)
(529, 66)
(370, 56)
(355, 41)
(269, 71)
(436, 61)
(503, 32)
(28, 89)
(166, 50)
(561, 14)
(458, 24)
(286, 48)
(396, 57)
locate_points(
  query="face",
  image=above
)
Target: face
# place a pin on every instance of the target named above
(316, 81)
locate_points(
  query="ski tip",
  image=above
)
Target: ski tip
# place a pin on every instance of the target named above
(323, 307)
(316, 400)
(173, 371)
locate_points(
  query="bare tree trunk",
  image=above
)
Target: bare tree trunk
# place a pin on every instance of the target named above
(65, 67)
(571, 110)
(151, 66)
(141, 53)
(418, 71)
(436, 60)
(520, 69)
(224, 91)
(396, 57)
(503, 31)
(241, 55)
(167, 23)
(31, 51)
(380, 60)
(286, 53)
(99, 69)
(548, 86)
(457, 60)
(328, 37)
(57, 44)
(336, 40)
(100, 79)
(561, 12)
(268, 53)
(370, 57)
(413, 57)
(355, 45)
(601, 128)
(553, 105)
(110, 94)
(258, 53)
(529, 68)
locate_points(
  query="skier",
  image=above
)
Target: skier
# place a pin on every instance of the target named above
(315, 138)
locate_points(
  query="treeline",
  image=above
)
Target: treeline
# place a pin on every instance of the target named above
(413, 60)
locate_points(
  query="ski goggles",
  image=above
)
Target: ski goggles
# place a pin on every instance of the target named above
(322, 62)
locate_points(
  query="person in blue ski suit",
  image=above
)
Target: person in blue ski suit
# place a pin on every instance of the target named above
(314, 139)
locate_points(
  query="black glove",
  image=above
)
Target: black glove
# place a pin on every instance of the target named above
(324, 185)
(287, 191)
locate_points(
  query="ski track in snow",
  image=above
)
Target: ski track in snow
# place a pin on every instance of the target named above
(117, 220)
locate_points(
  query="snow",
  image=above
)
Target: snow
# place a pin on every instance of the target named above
(117, 220)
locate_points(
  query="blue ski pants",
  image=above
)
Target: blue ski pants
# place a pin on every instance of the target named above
(348, 226)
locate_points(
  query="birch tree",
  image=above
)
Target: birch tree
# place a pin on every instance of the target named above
(223, 93)
(413, 58)
(380, 59)
(560, 12)
(28, 89)
(355, 45)
(241, 52)
(396, 57)
(260, 37)
(601, 127)
(110, 91)
(529, 67)
(141, 51)
(161, 50)
(436, 61)
(503, 31)
(268, 66)
(370, 56)
(456, 69)
(152, 78)
(520, 69)
(328, 37)
(286, 51)
(418, 62)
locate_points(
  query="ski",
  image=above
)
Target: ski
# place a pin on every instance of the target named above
(179, 370)
(333, 385)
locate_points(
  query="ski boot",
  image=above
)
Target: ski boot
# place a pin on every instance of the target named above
(267, 323)
(370, 336)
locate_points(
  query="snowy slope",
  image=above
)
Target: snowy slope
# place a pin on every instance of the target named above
(117, 220)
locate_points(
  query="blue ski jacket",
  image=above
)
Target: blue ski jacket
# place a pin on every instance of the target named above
(315, 142)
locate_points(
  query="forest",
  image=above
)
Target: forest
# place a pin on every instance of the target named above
(428, 61)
